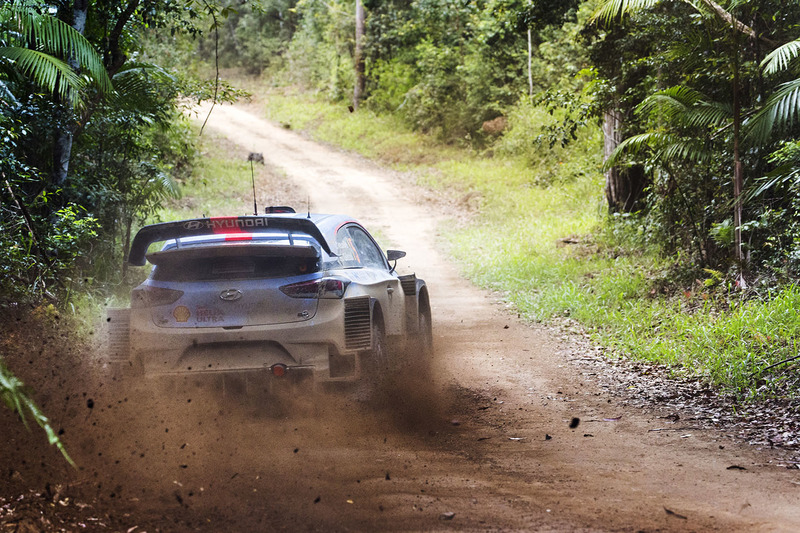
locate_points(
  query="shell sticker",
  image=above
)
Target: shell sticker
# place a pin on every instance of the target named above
(181, 313)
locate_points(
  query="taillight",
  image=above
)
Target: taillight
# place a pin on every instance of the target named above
(278, 370)
(147, 296)
(317, 288)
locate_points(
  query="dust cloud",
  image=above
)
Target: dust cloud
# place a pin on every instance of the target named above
(172, 447)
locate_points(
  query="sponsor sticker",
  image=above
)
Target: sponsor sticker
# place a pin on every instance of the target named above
(181, 313)
(209, 315)
(223, 224)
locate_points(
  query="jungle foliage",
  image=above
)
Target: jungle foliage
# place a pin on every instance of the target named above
(93, 136)
(92, 140)
(698, 100)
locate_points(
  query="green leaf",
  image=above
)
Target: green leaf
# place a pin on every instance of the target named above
(616, 9)
(47, 71)
(780, 58)
(13, 394)
(45, 35)
(781, 110)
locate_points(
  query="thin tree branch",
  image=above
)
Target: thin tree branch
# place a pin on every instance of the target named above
(116, 58)
(789, 360)
(738, 25)
(25, 215)
(216, 64)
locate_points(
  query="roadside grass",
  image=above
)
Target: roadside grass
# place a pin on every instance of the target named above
(220, 184)
(539, 235)
(382, 137)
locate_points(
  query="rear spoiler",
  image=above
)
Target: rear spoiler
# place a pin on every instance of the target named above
(219, 225)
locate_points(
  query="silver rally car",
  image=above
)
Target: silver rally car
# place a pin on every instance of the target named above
(270, 297)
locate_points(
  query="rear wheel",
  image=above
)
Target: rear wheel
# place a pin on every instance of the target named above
(425, 336)
(377, 361)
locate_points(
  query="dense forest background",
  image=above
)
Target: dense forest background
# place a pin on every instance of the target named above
(697, 102)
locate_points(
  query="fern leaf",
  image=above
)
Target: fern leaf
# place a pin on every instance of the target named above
(780, 58)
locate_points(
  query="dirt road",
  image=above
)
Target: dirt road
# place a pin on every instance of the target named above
(512, 462)
(509, 432)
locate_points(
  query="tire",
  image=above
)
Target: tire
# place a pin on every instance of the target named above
(424, 344)
(377, 361)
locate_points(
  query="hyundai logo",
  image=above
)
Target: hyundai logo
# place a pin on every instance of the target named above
(230, 295)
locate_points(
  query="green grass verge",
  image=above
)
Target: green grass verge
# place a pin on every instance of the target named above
(376, 136)
(553, 253)
(219, 186)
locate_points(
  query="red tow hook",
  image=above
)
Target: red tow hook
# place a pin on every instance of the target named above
(278, 370)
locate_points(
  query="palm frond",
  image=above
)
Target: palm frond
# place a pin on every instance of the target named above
(689, 149)
(708, 114)
(52, 36)
(136, 78)
(634, 145)
(685, 107)
(682, 93)
(781, 109)
(45, 70)
(780, 58)
(672, 103)
(614, 9)
(155, 182)
(783, 175)
(664, 147)
(140, 86)
(666, 105)
(166, 185)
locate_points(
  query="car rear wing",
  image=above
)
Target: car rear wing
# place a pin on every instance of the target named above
(219, 225)
(256, 250)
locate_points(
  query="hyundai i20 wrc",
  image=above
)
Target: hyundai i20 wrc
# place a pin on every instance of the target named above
(265, 297)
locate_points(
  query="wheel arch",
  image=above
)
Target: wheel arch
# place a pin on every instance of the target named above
(423, 300)
(377, 313)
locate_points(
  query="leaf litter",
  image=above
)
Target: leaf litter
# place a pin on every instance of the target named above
(770, 423)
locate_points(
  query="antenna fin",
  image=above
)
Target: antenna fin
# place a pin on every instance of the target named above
(253, 178)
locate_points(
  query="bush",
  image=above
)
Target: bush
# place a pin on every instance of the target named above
(529, 134)
(42, 256)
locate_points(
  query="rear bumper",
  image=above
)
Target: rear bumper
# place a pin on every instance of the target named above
(315, 347)
(256, 384)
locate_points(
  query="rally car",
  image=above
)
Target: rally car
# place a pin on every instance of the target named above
(276, 296)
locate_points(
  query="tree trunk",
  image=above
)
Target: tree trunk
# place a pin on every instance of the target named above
(62, 151)
(115, 58)
(624, 186)
(530, 69)
(62, 147)
(126, 245)
(358, 89)
(738, 173)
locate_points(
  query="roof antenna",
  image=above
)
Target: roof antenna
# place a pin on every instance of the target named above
(308, 203)
(253, 177)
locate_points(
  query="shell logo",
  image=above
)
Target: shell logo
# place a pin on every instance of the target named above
(181, 313)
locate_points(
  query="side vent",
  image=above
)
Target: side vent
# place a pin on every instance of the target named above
(357, 323)
(119, 334)
(409, 284)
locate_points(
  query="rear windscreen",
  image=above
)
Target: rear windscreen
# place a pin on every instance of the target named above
(240, 267)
